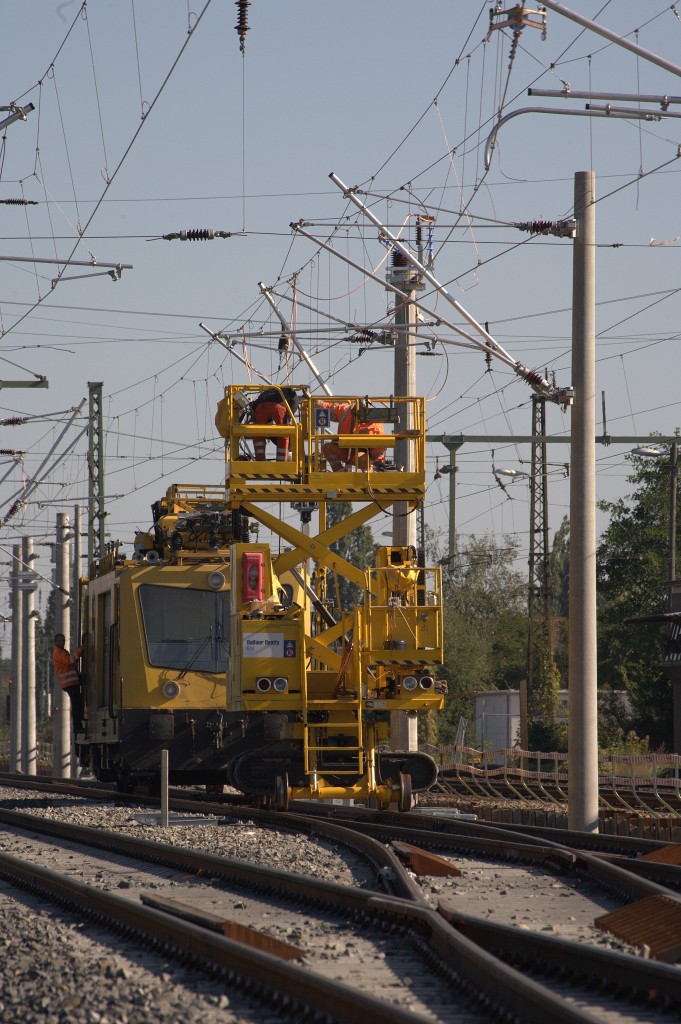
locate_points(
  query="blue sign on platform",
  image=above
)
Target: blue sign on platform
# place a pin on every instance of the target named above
(290, 649)
(321, 418)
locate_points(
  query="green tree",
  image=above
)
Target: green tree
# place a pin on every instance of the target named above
(632, 573)
(485, 626)
(559, 567)
(357, 547)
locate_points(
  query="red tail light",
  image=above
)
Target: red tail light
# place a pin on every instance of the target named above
(253, 579)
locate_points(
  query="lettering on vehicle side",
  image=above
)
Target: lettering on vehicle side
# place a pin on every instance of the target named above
(256, 645)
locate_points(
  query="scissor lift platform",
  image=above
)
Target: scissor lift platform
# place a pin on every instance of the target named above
(305, 477)
(376, 658)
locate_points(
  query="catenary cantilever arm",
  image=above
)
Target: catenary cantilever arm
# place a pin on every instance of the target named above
(618, 40)
(642, 115)
(485, 340)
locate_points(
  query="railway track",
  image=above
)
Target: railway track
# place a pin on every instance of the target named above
(467, 955)
(457, 964)
(624, 796)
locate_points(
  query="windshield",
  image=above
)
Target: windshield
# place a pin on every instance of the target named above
(186, 629)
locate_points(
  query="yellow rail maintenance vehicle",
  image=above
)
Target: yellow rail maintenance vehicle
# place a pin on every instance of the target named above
(233, 656)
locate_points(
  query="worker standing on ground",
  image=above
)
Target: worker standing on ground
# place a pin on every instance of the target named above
(278, 406)
(66, 674)
(345, 414)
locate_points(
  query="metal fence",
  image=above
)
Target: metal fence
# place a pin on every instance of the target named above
(636, 781)
(44, 757)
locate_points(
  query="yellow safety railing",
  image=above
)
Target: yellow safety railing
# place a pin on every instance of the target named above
(377, 432)
(241, 434)
(356, 448)
(404, 617)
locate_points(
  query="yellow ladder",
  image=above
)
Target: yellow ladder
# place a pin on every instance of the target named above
(350, 725)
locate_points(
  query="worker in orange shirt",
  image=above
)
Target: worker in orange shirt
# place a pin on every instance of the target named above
(274, 405)
(345, 415)
(66, 675)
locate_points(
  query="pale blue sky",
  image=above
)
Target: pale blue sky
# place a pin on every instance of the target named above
(323, 87)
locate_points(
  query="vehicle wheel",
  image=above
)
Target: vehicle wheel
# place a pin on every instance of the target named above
(281, 792)
(406, 800)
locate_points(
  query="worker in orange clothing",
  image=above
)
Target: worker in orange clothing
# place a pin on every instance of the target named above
(66, 675)
(345, 415)
(272, 406)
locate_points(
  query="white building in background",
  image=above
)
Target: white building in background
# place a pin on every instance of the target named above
(496, 719)
(496, 723)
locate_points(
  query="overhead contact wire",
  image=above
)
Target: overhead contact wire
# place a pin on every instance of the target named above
(120, 163)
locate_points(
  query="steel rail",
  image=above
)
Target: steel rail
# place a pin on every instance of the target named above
(617, 876)
(293, 986)
(198, 862)
(666, 875)
(496, 842)
(543, 954)
(235, 807)
(630, 878)
(538, 834)
(589, 841)
(475, 971)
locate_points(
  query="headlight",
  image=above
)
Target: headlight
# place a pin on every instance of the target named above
(216, 580)
(263, 684)
(409, 683)
(280, 684)
(426, 682)
(170, 689)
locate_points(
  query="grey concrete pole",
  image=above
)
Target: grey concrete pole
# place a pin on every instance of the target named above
(582, 722)
(17, 665)
(76, 626)
(402, 276)
(61, 719)
(403, 725)
(77, 551)
(29, 750)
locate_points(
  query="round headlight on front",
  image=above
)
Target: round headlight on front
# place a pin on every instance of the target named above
(409, 683)
(170, 689)
(426, 682)
(216, 580)
(280, 684)
(263, 684)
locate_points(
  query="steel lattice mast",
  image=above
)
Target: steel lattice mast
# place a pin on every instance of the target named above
(95, 460)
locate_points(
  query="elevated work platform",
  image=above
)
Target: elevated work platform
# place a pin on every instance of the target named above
(363, 453)
(349, 660)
